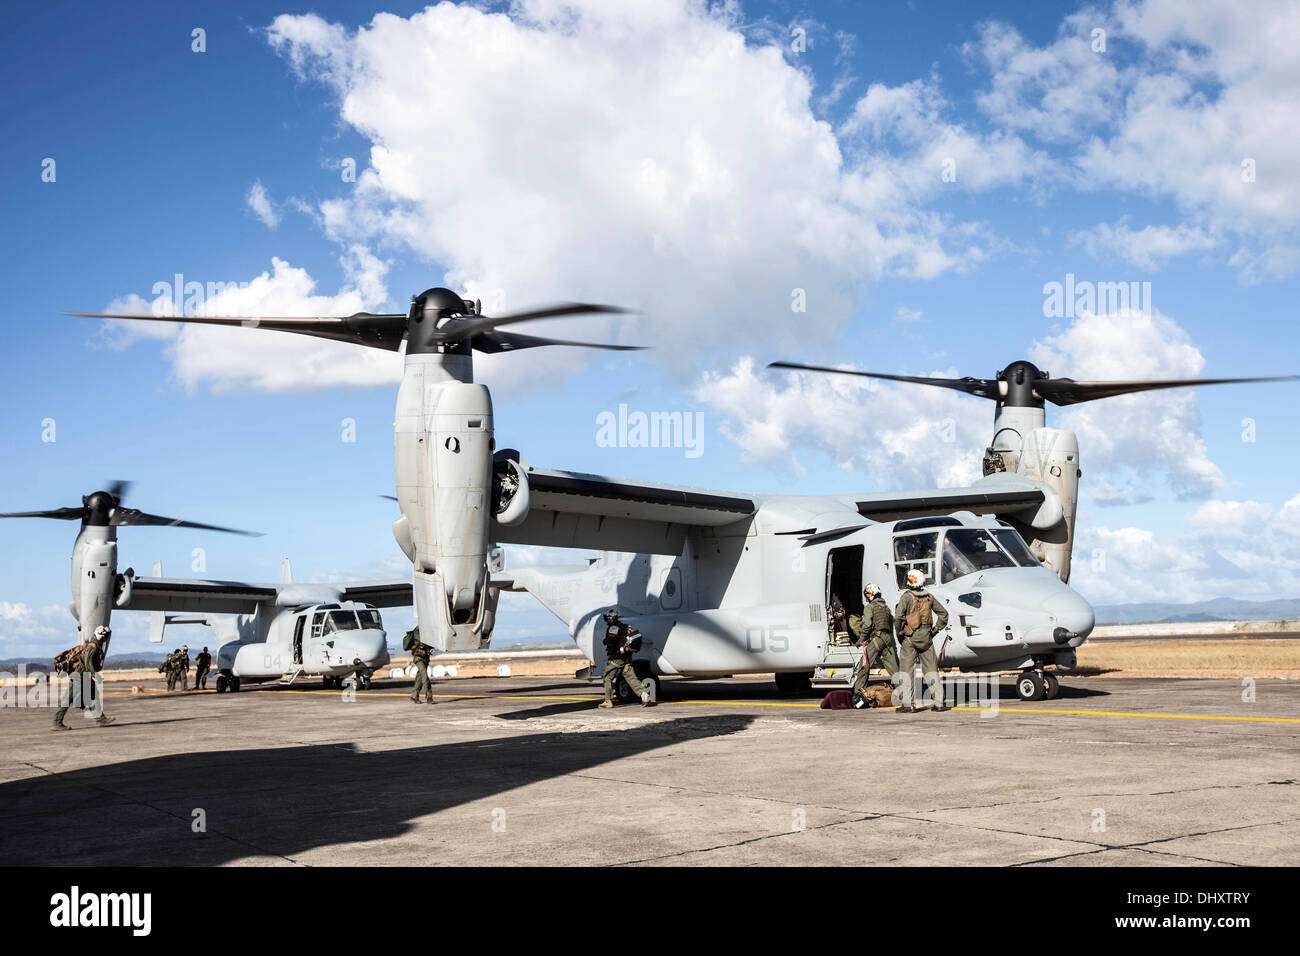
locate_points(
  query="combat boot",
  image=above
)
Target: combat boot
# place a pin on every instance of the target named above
(105, 721)
(606, 703)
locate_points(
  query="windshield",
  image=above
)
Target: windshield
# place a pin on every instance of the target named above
(370, 619)
(341, 621)
(967, 550)
(1015, 546)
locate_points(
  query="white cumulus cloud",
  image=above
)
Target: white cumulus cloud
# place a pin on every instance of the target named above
(259, 201)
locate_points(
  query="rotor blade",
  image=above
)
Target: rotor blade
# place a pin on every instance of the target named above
(132, 517)
(63, 514)
(389, 497)
(982, 387)
(118, 489)
(381, 331)
(1065, 391)
(493, 342)
(483, 323)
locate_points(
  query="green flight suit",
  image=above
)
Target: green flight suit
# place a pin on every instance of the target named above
(918, 647)
(621, 642)
(202, 664)
(173, 669)
(183, 670)
(420, 654)
(873, 630)
(79, 693)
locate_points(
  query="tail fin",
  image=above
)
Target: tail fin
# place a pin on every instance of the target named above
(286, 572)
(553, 586)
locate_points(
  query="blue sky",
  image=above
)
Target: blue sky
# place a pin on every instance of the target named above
(698, 164)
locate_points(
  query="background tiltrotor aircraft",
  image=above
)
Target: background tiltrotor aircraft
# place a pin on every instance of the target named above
(268, 631)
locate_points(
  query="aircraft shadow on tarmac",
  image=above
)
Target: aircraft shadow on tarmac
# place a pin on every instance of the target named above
(286, 801)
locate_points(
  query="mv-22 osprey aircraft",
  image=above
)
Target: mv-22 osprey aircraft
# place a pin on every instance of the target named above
(268, 631)
(732, 584)
(721, 583)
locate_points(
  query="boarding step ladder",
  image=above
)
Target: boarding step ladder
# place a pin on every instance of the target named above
(290, 677)
(839, 657)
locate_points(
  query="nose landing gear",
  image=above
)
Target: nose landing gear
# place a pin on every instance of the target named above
(1037, 685)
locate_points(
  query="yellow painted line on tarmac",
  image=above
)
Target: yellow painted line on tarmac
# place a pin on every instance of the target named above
(756, 703)
(1121, 713)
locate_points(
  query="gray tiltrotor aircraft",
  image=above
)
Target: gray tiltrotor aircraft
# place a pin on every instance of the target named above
(729, 584)
(270, 631)
(279, 631)
(443, 443)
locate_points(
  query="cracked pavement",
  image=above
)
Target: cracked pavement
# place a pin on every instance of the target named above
(724, 772)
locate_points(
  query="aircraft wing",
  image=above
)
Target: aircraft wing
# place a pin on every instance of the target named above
(572, 510)
(211, 597)
(890, 506)
(384, 594)
(237, 597)
(575, 510)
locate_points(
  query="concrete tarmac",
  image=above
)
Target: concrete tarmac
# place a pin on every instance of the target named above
(529, 771)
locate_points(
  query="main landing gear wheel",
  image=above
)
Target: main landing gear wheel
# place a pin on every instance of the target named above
(234, 685)
(223, 683)
(793, 684)
(1052, 687)
(1030, 686)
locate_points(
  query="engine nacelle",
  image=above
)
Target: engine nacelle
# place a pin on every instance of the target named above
(443, 456)
(1022, 445)
(1051, 455)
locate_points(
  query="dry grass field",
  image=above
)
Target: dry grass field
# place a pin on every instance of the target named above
(1229, 657)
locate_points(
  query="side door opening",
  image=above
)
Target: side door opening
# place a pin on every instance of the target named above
(297, 637)
(844, 586)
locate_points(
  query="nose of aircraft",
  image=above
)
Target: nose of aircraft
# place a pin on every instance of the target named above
(1073, 614)
(368, 646)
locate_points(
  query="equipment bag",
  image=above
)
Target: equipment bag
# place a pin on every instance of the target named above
(408, 640)
(70, 660)
(838, 700)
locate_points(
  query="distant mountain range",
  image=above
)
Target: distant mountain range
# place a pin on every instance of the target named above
(1219, 609)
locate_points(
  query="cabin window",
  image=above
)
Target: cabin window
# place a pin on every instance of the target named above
(967, 550)
(318, 624)
(915, 551)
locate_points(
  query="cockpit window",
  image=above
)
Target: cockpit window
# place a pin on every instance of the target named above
(967, 550)
(915, 551)
(369, 619)
(341, 621)
(1015, 546)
